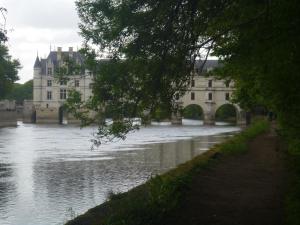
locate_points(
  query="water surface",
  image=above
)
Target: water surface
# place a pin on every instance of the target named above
(49, 172)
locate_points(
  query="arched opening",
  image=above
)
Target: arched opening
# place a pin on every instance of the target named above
(193, 112)
(62, 115)
(161, 114)
(33, 116)
(226, 113)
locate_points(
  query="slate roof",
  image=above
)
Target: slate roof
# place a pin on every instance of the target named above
(37, 63)
(208, 64)
(41, 63)
(77, 57)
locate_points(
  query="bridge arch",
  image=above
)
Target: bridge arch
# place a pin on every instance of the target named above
(62, 115)
(193, 111)
(227, 113)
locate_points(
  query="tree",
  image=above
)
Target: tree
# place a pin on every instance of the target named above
(262, 56)
(152, 46)
(21, 92)
(8, 66)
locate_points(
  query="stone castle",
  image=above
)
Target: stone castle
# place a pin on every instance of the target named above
(209, 93)
(49, 94)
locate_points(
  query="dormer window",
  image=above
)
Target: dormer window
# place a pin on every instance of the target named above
(49, 71)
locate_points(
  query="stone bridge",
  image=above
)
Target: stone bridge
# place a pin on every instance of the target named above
(210, 94)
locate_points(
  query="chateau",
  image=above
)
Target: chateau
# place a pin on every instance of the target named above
(49, 94)
(209, 93)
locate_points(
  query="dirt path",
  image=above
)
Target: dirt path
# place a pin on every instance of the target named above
(240, 190)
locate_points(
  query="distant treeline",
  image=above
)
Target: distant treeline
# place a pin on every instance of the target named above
(21, 92)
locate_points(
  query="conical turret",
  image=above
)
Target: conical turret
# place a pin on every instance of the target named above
(37, 63)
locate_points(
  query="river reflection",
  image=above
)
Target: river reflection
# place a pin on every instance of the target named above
(45, 170)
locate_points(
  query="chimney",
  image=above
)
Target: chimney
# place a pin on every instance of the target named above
(59, 49)
(70, 52)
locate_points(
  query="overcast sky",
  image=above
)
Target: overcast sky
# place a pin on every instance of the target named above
(34, 25)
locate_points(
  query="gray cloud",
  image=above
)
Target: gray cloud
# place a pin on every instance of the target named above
(55, 14)
(35, 24)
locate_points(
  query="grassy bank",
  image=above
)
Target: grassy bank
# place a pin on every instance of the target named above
(292, 203)
(149, 203)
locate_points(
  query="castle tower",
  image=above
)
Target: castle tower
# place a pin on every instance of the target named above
(37, 81)
(49, 94)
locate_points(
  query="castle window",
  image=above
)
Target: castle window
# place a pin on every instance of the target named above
(49, 72)
(63, 94)
(63, 82)
(192, 96)
(227, 83)
(210, 83)
(227, 96)
(49, 83)
(49, 95)
(193, 83)
(91, 86)
(209, 96)
(76, 83)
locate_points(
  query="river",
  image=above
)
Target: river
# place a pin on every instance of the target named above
(48, 173)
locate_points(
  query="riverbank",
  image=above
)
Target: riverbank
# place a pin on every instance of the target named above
(158, 201)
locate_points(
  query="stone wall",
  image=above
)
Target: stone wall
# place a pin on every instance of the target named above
(7, 105)
(8, 114)
(47, 115)
(28, 112)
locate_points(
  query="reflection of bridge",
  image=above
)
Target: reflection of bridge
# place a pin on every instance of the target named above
(210, 94)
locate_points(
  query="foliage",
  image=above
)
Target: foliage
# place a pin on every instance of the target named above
(21, 92)
(292, 201)
(193, 112)
(262, 57)
(226, 112)
(67, 68)
(8, 66)
(155, 200)
(151, 47)
(161, 113)
(292, 198)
